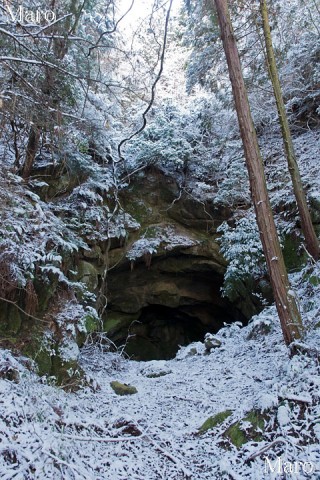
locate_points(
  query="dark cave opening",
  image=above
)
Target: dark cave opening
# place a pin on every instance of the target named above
(160, 330)
(176, 301)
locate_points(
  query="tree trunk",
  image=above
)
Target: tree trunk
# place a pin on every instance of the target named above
(32, 147)
(312, 242)
(288, 311)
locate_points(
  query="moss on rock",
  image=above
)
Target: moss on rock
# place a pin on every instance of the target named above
(91, 323)
(67, 372)
(116, 321)
(235, 435)
(294, 257)
(40, 351)
(123, 388)
(214, 421)
(45, 291)
(157, 375)
(314, 280)
(10, 319)
(88, 274)
(250, 428)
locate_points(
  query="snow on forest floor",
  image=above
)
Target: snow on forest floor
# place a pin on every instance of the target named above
(47, 433)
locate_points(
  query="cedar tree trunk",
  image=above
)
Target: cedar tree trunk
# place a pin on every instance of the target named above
(287, 308)
(312, 242)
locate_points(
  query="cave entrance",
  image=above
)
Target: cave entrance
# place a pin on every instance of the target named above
(173, 303)
(160, 331)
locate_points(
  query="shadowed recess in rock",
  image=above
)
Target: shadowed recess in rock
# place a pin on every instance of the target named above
(159, 309)
(159, 331)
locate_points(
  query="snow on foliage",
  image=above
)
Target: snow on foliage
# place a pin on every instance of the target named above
(93, 433)
(164, 237)
(46, 433)
(31, 235)
(241, 247)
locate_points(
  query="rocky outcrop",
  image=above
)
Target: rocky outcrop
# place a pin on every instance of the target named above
(155, 267)
(174, 301)
(164, 284)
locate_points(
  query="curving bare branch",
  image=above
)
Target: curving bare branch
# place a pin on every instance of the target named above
(112, 30)
(153, 88)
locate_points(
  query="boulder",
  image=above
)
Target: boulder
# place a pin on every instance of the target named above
(211, 342)
(123, 388)
(156, 369)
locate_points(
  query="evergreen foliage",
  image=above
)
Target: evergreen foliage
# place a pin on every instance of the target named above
(242, 248)
(79, 88)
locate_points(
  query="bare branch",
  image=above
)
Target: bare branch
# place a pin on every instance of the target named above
(23, 311)
(264, 449)
(62, 462)
(109, 32)
(153, 88)
(102, 439)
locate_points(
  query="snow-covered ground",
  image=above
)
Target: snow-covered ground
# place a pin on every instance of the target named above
(46, 433)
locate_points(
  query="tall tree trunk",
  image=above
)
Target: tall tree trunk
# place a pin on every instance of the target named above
(32, 147)
(288, 311)
(312, 242)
